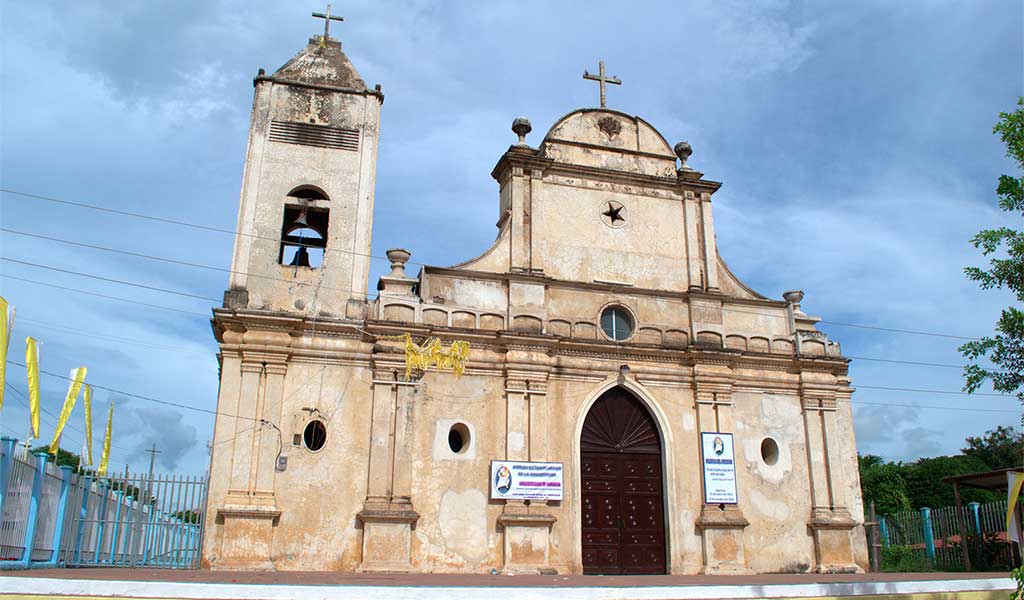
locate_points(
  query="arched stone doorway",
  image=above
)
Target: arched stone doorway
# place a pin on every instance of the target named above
(623, 512)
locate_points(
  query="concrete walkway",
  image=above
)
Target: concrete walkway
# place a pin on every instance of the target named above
(154, 583)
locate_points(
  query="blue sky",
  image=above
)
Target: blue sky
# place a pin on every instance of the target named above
(854, 140)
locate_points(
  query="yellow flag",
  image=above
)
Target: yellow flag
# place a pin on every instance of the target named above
(32, 366)
(87, 398)
(77, 378)
(6, 325)
(105, 457)
(1014, 482)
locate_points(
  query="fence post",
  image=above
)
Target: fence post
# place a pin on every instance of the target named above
(885, 531)
(977, 519)
(6, 464)
(33, 506)
(929, 537)
(62, 509)
(86, 480)
(101, 519)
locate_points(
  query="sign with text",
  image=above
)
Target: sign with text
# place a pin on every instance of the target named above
(526, 480)
(719, 468)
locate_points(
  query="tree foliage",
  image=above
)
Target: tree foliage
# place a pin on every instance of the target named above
(882, 483)
(898, 486)
(999, 448)
(1004, 246)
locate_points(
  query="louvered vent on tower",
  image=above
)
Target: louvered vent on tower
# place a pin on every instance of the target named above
(308, 134)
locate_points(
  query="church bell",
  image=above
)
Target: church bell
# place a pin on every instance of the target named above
(301, 258)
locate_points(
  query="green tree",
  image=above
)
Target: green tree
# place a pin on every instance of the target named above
(882, 482)
(67, 458)
(999, 448)
(925, 487)
(1005, 248)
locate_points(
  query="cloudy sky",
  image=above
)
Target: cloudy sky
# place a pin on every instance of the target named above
(854, 140)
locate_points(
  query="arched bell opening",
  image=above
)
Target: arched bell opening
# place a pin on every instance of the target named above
(622, 488)
(303, 236)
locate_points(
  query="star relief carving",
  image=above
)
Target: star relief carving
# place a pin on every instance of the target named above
(614, 214)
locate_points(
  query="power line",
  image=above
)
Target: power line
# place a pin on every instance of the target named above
(840, 324)
(176, 262)
(915, 390)
(118, 298)
(935, 407)
(68, 425)
(277, 240)
(103, 336)
(108, 279)
(314, 319)
(187, 224)
(141, 397)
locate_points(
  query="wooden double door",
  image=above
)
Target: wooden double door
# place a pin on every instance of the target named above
(623, 507)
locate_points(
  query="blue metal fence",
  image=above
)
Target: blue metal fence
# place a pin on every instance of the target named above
(60, 517)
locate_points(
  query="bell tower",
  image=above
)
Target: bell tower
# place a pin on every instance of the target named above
(306, 210)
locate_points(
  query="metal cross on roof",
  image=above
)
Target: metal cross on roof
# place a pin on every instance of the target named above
(600, 77)
(327, 17)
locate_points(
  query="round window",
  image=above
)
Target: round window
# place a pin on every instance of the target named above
(458, 438)
(617, 323)
(769, 451)
(315, 435)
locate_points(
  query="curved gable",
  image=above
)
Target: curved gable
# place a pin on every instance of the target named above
(609, 139)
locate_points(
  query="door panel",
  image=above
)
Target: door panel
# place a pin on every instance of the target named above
(623, 513)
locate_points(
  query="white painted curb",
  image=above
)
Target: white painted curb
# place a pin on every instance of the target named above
(217, 591)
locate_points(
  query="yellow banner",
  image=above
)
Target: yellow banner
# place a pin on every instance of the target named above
(432, 353)
(1014, 481)
(77, 378)
(6, 325)
(105, 457)
(32, 367)
(87, 398)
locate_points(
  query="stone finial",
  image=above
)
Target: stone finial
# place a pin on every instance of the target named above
(683, 150)
(398, 258)
(521, 126)
(794, 297)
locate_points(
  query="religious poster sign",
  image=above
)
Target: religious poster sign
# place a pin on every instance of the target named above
(719, 468)
(525, 480)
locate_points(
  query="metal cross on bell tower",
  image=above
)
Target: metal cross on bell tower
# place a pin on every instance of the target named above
(327, 17)
(602, 79)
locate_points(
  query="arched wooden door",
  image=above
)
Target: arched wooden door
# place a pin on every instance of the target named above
(623, 507)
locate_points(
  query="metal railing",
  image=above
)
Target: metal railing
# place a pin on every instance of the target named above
(53, 516)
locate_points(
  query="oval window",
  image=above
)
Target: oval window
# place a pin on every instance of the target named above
(458, 438)
(315, 435)
(617, 323)
(769, 451)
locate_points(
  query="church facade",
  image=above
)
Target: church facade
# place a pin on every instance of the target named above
(669, 418)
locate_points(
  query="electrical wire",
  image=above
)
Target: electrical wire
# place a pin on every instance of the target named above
(177, 262)
(108, 279)
(141, 397)
(105, 296)
(185, 223)
(277, 240)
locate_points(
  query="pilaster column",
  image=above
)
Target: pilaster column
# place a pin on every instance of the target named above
(831, 523)
(721, 526)
(247, 430)
(401, 478)
(249, 511)
(516, 420)
(388, 517)
(695, 275)
(270, 437)
(710, 248)
(526, 524)
(378, 485)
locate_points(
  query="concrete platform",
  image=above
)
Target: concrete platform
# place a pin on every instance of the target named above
(153, 583)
